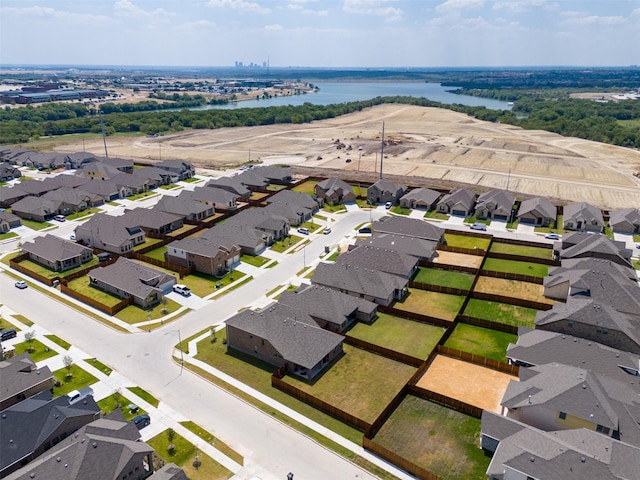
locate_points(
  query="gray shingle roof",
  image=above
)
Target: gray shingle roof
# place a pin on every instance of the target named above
(150, 218)
(539, 206)
(582, 210)
(417, 247)
(425, 195)
(19, 373)
(54, 248)
(384, 260)
(597, 264)
(331, 185)
(588, 244)
(388, 186)
(183, 205)
(111, 230)
(230, 184)
(202, 246)
(502, 199)
(104, 188)
(213, 195)
(301, 199)
(464, 196)
(624, 215)
(409, 227)
(242, 235)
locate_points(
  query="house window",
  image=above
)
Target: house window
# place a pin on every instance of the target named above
(562, 416)
(602, 429)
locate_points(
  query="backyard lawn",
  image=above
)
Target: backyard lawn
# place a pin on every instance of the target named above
(202, 284)
(436, 438)
(157, 253)
(512, 288)
(48, 273)
(433, 304)
(82, 286)
(306, 187)
(524, 250)
(350, 385)
(514, 266)
(465, 241)
(501, 312)
(399, 334)
(79, 379)
(481, 341)
(445, 278)
(133, 314)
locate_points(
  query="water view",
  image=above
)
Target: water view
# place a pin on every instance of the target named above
(342, 92)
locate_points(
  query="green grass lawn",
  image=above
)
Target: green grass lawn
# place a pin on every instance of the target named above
(8, 235)
(513, 266)
(134, 314)
(482, 341)
(501, 312)
(157, 253)
(439, 439)
(445, 278)
(23, 319)
(256, 261)
(473, 219)
(333, 256)
(282, 245)
(553, 228)
(32, 224)
(523, 250)
(192, 180)
(334, 208)
(202, 284)
(40, 350)
(58, 341)
(48, 273)
(212, 440)
(184, 455)
(94, 362)
(79, 379)
(82, 286)
(147, 242)
(464, 241)
(141, 196)
(636, 264)
(313, 227)
(433, 304)
(171, 186)
(398, 210)
(399, 334)
(83, 213)
(350, 386)
(143, 394)
(117, 401)
(307, 187)
(436, 215)
(257, 374)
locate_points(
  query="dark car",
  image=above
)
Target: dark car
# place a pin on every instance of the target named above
(365, 230)
(7, 334)
(141, 421)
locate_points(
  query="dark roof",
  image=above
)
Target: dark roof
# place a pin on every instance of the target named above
(230, 184)
(385, 185)
(149, 218)
(464, 196)
(409, 227)
(624, 215)
(597, 264)
(425, 195)
(128, 180)
(538, 205)
(331, 185)
(417, 247)
(183, 205)
(582, 244)
(70, 181)
(36, 187)
(54, 248)
(106, 188)
(502, 199)
(382, 259)
(110, 229)
(131, 277)
(582, 210)
(213, 195)
(229, 234)
(19, 373)
(202, 246)
(296, 198)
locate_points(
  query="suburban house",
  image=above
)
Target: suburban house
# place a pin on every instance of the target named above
(130, 184)
(408, 227)
(10, 195)
(335, 191)
(124, 165)
(537, 211)
(205, 255)
(274, 226)
(8, 221)
(68, 181)
(520, 451)
(381, 259)
(379, 287)
(272, 173)
(230, 184)
(185, 206)
(284, 337)
(385, 191)
(56, 253)
(34, 425)
(459, 202)
(79, 159)
(417, 247)
(330, 309)
(581, 245)
(625, 220)
(183, 169)
(63, 201)
(152, 221)
(250, 240)
(126, 278)
(97, 171)
(253, 181)
(37, 187)
(216, 198)
(299, 199)
(105, 188)
(582, 217)
(34, 208)
(294, 214)
(8, 173)
(20, 378)
(424, 198)
(157, 176)
(495, 205)
(109, 233)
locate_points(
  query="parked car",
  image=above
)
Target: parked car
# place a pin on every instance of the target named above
(72, 236)
(303, 230)
(388, 205)
(182, 289)
(141, 421)
(365, 230)
(327, 231)
(21, 284)
(478, 226)
(7, 334)
(59, 218)
(552, 236)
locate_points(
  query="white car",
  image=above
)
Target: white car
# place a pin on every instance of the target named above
(388, 205)
(21, 284)
(327, 231)
(182, 289)
(552, 236)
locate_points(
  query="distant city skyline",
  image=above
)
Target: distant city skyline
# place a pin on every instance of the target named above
(321, 33)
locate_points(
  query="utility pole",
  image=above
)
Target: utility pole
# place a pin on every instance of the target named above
(104, 136)
(382, 149)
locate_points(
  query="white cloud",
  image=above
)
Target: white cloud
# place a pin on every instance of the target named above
(127, 8)
(373, 7)
(50, 13)
(307, 11)
(636, 13)
(197, 25)
(521, 6)
(274, 28)
(595, 20)
(240, 5)
(456, 5)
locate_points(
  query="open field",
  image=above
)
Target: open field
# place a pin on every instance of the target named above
(436, 144)
(436, 438)
(461, 259)
(469, 383)
(512, 288)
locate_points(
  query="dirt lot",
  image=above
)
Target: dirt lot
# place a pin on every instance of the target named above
(439, 146)
(451, 258)
(469, 383)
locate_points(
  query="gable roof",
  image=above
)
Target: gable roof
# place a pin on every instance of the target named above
(213, 195)
(296, 198)
(105, 188)
(384, 185)
(69, 181)
(590, 244)
(207, 247)
(416, 247)
(19, 373)
(149, 218)
(425, 195)
(54, 248)
(129, 180)
(131, 277)
(463, 196)
(384, 260)
(582, 210)
(242, 235)
(630, 216)
(331, 185)
(183, 205)
(502, 199)
(593, 263)
(110, 229)
(36, 187)
(539, 206)
(409, 227)
(231, 184)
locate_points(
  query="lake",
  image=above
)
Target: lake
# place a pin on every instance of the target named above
(343, 92)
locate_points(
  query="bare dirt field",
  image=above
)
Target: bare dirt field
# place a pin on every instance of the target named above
(469, 383)
(429, 146)
(451, 258)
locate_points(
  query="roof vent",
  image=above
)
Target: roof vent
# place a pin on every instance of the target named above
(584, 386)
(529, 400)
(66, 465)
(58, 459)
(94, 445)
(532, 459)
(4, 415)
(583, 459)
(37, 372)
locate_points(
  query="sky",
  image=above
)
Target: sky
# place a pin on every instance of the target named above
(321, 33)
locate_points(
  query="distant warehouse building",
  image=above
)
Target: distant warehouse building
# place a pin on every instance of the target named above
(50, 96)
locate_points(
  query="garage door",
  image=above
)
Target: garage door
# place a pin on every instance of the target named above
(527, 221)
(461, 213)
(500, 217)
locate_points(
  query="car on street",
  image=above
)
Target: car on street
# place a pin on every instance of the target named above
(141, 421)
(478, 226)
(303, 230)
(7, 334)
(59, 218)
(72, 236)
(21, 284)
(327, 231)
(182, 289)
(552, 236)
(365, 230)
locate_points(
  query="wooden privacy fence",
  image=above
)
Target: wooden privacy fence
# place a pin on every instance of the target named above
(468, 233)
(435, 397)
(181, 271)
(417, 317)
(527, 243)
(522, 258)
(520, 302)
(81, 273)
(438, 288)
(94, 303)
(383, 352)
(468, 251)
(396, 459)
(512, 276)
(478, 360)
(481, 322)
(15, 264)
(321, 405)
(452, 268)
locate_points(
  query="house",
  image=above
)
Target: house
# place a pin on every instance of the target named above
(335, 191)
(250, 240)
(520, 451)
(294, 214)
(97, 171)
(582, 245)
(8, 221)
(537, 211)
(110, 233)
(56, 253)
(20, 378)
(68, 181)
(130, 184)
(107, 448)
(185, 206)
(272, 174)
(495, 205)
(37, 188)
(381, 259)
(625, 220)
(582, 217)
(251, 180)
(153, 221)
(330, 309)
(421, 249)
(10, 195)
(66, 200)
(34, 208)
(79, 159)
(124, 165)
(385, 191)
(205, 255)
(183, 169)
(273, 225)
(8, 173)
(459, 202)
(595, 321)
(108, 190)
(216, 198)
(33, 426)
(230, 184)
(300, 199)
(420, 198)
(284, 337)
(379, 287)
(408, 227)
(157, 176)
(126, 278)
